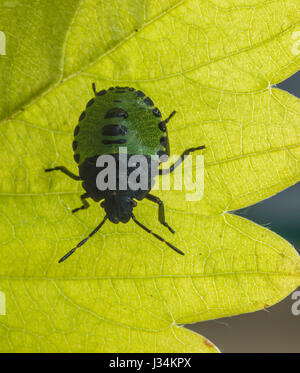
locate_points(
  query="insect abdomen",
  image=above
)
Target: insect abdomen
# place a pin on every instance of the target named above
(119, 117)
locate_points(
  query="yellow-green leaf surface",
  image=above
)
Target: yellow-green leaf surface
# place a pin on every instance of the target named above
(215, 63)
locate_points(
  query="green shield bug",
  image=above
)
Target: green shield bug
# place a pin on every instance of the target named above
(114, 119)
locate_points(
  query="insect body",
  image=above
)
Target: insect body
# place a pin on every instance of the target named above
(115, 118)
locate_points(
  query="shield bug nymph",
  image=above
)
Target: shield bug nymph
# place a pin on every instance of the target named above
(114, 118)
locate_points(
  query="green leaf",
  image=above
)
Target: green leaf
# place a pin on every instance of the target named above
(215, 63)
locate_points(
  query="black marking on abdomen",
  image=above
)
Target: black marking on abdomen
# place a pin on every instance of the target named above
(156, 112)
(114, 130)
(111, 142)
(139, 94)
(74, 145)
(116, 113)
(162, 126)
(90, 103)
(164, 141)
(76, 131)
(82, 116)
(101, 92)
(148, 101)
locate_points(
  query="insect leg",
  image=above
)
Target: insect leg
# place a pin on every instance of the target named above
(83, 241)
(166, 171)
(65, 171)
(161, 210)
(156, 235)
(85, 205)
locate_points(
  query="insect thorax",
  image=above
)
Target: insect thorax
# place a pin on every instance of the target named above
(112, 174)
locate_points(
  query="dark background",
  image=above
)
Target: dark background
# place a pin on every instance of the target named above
(275, 329)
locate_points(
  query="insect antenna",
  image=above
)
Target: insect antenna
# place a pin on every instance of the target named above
(156, 235)
(83, 241)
